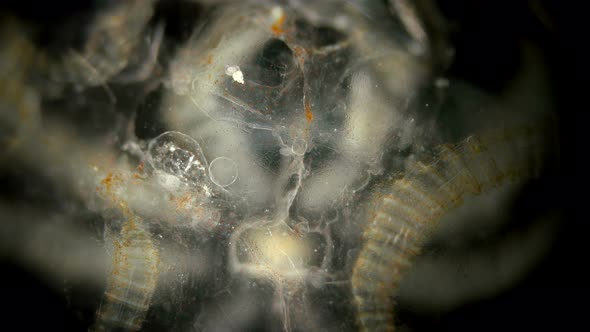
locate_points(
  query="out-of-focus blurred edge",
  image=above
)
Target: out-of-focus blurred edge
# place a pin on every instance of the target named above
(549, 298)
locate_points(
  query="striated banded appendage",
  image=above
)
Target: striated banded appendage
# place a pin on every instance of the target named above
(407, 211)
(132, 281)
(110, 44)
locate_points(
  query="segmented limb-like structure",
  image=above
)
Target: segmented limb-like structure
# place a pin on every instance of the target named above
(407, 211)
(132, 281)
(112, 39)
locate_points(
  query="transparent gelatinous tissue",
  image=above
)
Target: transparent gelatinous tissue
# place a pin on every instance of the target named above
(179, 155)
(267, 137)
(270, 86)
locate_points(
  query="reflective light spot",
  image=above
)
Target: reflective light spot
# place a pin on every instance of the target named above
(179, 155)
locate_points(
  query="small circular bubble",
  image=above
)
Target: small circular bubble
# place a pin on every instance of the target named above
(223, 171)
(299, 146)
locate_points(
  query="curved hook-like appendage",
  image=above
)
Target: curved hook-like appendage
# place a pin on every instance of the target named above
(409, 209)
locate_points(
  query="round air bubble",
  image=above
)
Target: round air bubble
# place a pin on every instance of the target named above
(179, 155)
(299, 146)
(223, 171)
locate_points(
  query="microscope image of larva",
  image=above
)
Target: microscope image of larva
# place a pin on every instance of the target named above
(288, 165)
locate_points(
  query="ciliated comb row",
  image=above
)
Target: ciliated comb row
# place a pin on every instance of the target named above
(408, 209)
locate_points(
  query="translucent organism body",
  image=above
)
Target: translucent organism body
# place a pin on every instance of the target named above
(272, 166)
(180, 156)
(110, 45)
(132, 282)
(408, 210)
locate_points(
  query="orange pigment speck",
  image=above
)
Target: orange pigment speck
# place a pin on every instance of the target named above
(308, 113)
(278, 26)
